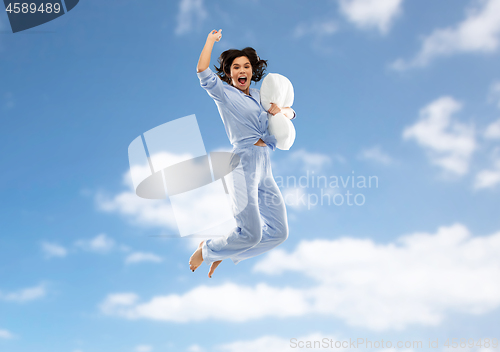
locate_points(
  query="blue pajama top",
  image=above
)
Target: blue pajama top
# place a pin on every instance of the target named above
(244, 117)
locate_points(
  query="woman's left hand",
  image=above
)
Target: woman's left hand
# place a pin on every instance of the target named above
(274, 109)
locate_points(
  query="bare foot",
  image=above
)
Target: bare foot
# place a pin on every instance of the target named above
(213, 267)
(196, 259)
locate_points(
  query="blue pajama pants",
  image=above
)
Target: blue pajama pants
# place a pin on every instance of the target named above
(262, 223)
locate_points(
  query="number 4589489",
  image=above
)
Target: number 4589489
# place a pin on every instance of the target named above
(47, 7)
(470, 343)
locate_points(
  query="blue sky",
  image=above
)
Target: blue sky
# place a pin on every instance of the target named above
(406, 91)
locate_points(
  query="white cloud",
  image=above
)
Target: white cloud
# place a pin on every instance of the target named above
(138, 257)
(478, 32)
(493, 130)
(489, 178)
(159, 213)
(228, 302)
(160, 160)
(269, 343)
(53, 250)
(149, 212)
(4, 334)
(24, 295)
(143, 348)
(367, 14)
(100, 244)
(119, 299)
(308, 160)
(316, 28)
(449, 143)
(200, 208)
(146, 212)
(376, 154)
(191, 13)
(417, 279)
(315, 341)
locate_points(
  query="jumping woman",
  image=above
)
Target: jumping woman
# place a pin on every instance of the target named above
(262, 224)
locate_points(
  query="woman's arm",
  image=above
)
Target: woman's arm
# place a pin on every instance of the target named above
(288, 112)
(206, 53)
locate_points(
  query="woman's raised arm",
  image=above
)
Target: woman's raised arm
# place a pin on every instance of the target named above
(206, 53)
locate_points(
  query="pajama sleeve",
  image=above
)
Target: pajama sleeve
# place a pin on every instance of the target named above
(212, 84)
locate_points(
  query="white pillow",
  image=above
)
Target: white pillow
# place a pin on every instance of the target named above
(282, 128)
(278, 89)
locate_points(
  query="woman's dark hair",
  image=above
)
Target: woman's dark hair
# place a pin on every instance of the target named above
(226, 60)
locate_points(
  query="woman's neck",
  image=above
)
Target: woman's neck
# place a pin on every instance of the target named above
(246, 91)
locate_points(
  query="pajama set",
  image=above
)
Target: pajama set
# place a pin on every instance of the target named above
(262, 224)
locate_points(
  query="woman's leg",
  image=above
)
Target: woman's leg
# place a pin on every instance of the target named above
(274, 218)
(243, 188)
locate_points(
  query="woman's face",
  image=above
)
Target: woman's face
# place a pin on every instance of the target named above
(241, 73)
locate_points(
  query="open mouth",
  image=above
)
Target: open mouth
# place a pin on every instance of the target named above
(242, 81)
